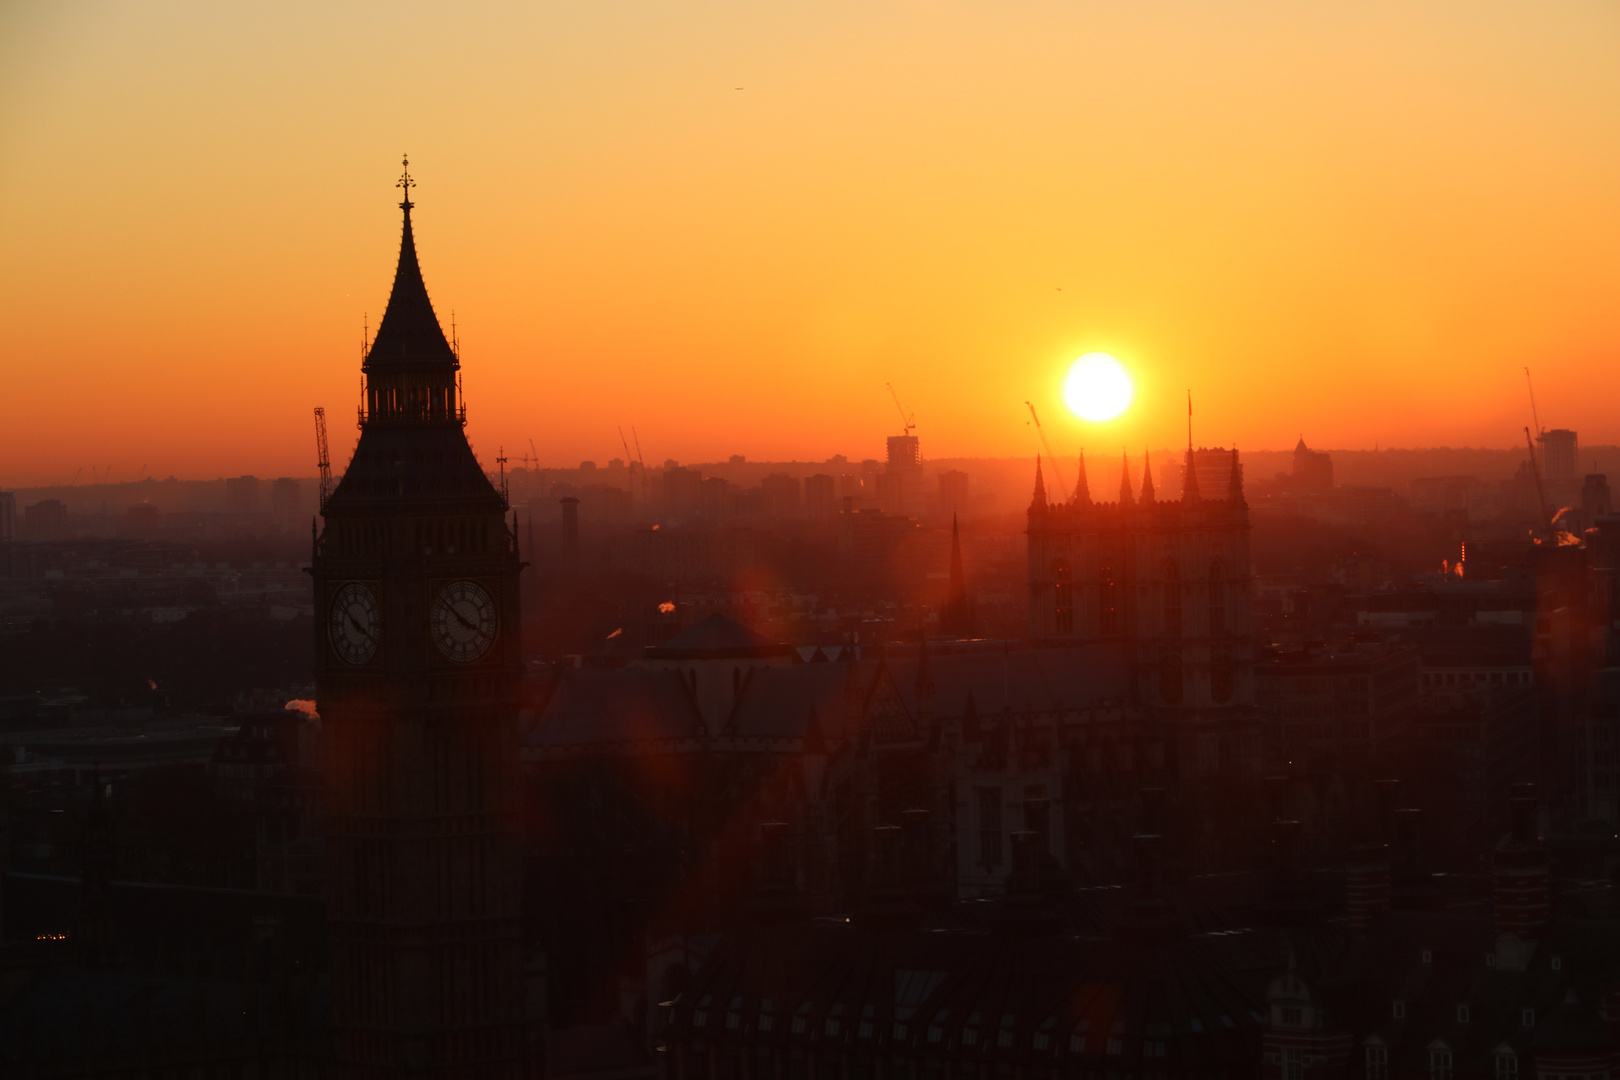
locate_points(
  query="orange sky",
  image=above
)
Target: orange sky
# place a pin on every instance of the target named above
(1355, 221)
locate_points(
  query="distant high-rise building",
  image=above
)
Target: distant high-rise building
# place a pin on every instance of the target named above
(781, 495)
(682, 491)
(46, 520)
(712, 499)
(242, 494)
(953, 492)
(1559, 451)
(8, 516)
(900, 485)
(1313, 469)
(820, 497)
(284, 499)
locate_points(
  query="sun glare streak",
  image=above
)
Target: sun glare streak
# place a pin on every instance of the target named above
(1097, 387)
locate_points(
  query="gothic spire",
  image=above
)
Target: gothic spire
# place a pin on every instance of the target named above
(1147, 479)
(409, 330)
(1125, 480)
(1234, 487)
(1082, 490)
(1039, 501)
(1189, 479)
(954, 619)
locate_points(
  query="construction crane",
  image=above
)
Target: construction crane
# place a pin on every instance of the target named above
(533, 460)
(908, 421)
(1533, 415)
(646, 481)
(323, 459)
(1541, 496)
(1057, 469)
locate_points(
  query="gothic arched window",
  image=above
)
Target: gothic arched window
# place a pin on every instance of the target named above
(1172, 599)
(1063, 598)
(1217, 599)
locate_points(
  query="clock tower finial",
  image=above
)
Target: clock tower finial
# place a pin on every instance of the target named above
(406, 183)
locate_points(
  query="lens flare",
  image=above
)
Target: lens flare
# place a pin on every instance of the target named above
(1097, 387)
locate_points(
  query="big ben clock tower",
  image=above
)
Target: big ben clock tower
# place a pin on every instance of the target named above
(418, 671)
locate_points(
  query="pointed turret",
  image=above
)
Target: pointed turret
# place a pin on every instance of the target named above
(410, 331)
(1147, 479)
(1189, 477)
(1234, 487)
(1039, 501)
(1125, 498)
(1082, 490)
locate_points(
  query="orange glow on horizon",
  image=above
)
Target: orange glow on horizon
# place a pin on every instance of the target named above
(1356, 223)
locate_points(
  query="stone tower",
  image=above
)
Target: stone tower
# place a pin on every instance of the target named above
(1169, 576)
(418, 669)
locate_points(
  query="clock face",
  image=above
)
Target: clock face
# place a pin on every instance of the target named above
(464, 621)
(355, 623)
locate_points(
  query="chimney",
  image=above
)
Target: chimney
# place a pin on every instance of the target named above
(1519, 872)
(1367, 882)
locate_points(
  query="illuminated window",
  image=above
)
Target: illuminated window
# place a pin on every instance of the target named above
(1063, 599)
(1107, 600)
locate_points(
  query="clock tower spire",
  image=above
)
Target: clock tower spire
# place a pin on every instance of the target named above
(418, 667)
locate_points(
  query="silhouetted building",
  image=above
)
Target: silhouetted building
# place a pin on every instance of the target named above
(1171, 578)
(820, 497)
(8, 516)
(417, 678)
(1347, 707)
(956, 617)
(286, 500)
(781, 495)
(953, 492)
(1313, 469)
(242, 494)
(46, 520)
(1560, 451)
(683, 492)
(900, 485)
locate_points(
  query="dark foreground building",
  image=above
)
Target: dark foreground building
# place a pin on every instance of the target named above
(417, 676)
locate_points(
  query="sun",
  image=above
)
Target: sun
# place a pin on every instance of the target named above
(1097, 387)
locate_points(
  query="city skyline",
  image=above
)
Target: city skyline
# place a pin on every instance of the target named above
(953, 203)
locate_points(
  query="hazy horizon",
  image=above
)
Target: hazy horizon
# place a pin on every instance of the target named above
(731, 227)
